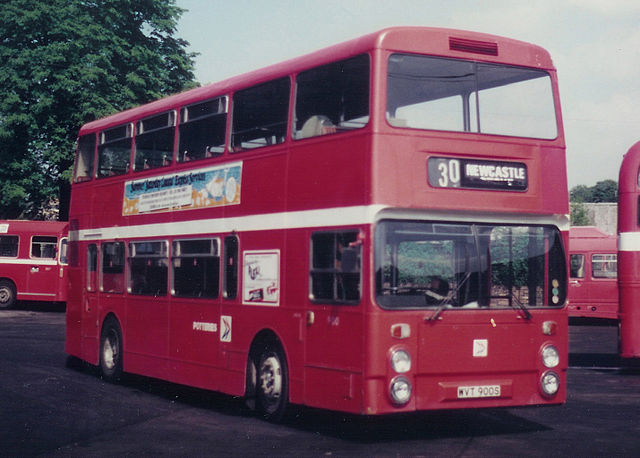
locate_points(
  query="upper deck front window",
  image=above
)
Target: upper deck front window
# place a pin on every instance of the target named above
(457, 95)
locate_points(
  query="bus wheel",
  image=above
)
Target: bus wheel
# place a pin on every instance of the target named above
(7, 294)
(111, 350)
(272, 384)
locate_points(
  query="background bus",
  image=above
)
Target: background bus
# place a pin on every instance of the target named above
(593, 278)
(376, 227)
(33, 260)
(629, 252)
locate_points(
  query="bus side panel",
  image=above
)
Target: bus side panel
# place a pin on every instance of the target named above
(628, 275)
(194, 341)
(325, 178)
(73, 342)
(146, 346)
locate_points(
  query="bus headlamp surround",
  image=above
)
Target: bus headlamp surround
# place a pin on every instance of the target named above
(400, 390)
(400, 361)
(550, 383)
(550, 356)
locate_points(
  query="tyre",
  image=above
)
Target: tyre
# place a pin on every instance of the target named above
(111, 350)
(7, 294)
(272, 390)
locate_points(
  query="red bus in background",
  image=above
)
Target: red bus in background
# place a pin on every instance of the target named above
(629, 253)
(373, 228)
(33, 261)
(593, 278)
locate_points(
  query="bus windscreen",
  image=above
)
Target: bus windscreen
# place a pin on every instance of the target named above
(465, 96)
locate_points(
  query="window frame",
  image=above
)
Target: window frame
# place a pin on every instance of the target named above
(105, 139)
(320, 121)
(176, 254)
(43, 245)
(231, 272)
(329, 268)
(141, 132)
(275, 132)
(149, 265)
(17, 245)
(186, 121)
(606, 258)
(85, 159)
(581, 269)
(119, 270)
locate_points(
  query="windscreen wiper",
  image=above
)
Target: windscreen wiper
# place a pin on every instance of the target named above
(445, 300)
(521, 306)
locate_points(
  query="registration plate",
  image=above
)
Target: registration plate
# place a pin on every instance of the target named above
(479, 391)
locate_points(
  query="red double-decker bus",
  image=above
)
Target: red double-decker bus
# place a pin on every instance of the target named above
(593, 276)
(376, 227)
(33, 261)
(629, 252)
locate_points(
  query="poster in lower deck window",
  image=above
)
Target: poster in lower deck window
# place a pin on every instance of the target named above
(261, 277)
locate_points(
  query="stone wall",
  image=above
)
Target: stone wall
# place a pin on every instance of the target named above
(603, 216)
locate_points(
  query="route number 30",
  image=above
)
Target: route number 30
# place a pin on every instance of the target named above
(448, 173)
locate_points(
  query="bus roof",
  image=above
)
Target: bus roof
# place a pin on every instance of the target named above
(591, 238)
(423, 40)
(14, 226)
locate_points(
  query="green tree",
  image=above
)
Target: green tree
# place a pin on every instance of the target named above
(580, 193)
(64, 62)
(579, 215)
(602, 191)
(605, 191)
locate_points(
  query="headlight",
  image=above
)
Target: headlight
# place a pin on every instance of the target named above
(550, 383)
(400, 390)
(550, 356)
(400, 361)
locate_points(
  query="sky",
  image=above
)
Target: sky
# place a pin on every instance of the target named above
(594, 44)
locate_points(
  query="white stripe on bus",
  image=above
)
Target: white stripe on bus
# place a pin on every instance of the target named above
(326, 217)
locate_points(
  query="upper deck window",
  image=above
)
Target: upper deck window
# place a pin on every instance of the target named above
(85, 158)
(202, 129)
(332, 98)
(457, 95)
(154, 141)
(260, 115)
(114, 151)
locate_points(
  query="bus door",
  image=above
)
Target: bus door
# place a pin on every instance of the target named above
(335, 331)
(90, 299)
(579, 286)
(43, 271)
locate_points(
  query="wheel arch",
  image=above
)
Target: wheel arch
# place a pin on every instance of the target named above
(12, 285)
(265, 338)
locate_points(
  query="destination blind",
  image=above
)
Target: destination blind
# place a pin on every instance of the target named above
(446, 172)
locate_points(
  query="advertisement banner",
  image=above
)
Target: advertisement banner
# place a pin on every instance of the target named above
(200, 188)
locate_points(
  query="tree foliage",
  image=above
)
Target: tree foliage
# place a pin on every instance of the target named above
(602, 191)
(579, 215)
(64, 62)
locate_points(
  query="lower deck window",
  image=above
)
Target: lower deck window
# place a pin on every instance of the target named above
(196, 268)
(335, 267)
(604, 265)
(148, 264)
(44, 247)
(112, 274)
(9, 246)
(576, 269)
